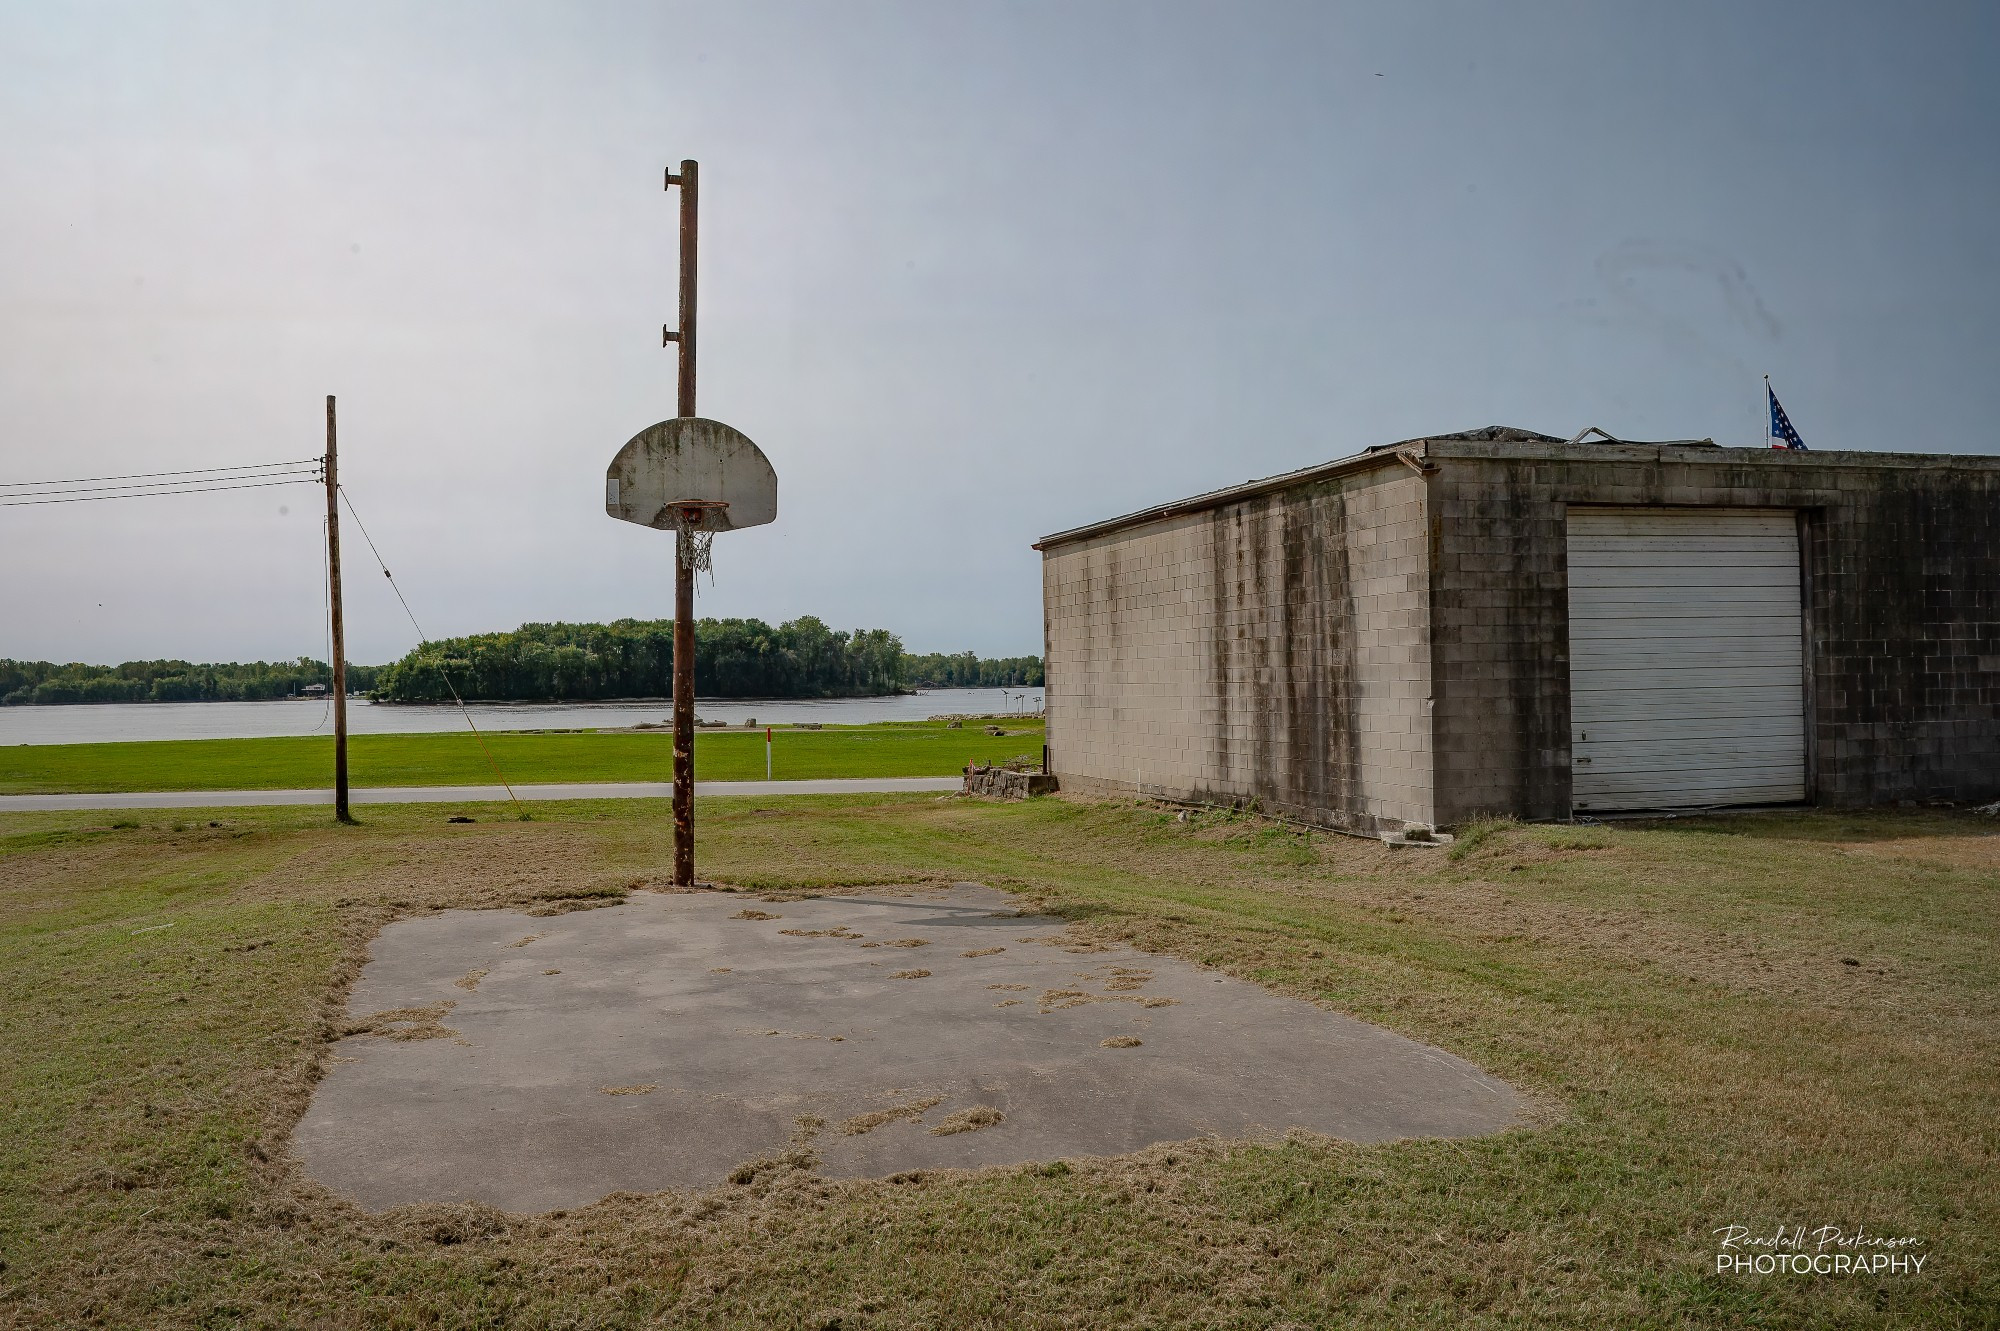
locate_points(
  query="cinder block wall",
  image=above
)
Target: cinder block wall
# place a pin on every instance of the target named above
(1905, 581)
(1902, 568)
(1275, 649)
(1499, 641)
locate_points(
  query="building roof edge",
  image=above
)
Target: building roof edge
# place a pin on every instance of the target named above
(1376, 457)
(1522, 446)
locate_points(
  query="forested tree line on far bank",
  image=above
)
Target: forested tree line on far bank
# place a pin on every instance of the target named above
(964, 670)
(26, 682)
(634, 658)
(629, 658)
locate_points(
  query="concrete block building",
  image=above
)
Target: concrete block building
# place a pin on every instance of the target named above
(1504, 622)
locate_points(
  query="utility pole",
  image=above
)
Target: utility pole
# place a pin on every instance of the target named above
(339, 630)
(683, 565)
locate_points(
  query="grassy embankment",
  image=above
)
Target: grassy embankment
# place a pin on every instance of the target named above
(891, 748)
(1760, 1020)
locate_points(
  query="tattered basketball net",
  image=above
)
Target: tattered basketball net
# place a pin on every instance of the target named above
(693, 543)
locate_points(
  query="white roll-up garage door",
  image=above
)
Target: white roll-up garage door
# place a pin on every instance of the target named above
(1685, 667)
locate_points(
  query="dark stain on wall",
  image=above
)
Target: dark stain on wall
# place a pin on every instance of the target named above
(1317, 669)
(1283, 645)
(1499, 645)
(1226, 553)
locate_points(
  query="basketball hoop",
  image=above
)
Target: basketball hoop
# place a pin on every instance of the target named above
(695, 523)
(695, 477)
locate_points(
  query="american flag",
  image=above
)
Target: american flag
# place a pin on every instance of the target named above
(1782, 433)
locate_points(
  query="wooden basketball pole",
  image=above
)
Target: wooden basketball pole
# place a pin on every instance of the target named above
(339, 661)
(683, 565)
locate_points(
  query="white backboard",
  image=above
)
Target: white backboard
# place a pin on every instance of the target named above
(691, 459)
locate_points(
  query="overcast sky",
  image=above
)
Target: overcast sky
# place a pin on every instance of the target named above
(972, 273)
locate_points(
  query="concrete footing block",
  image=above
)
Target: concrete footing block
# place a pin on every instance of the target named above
(1007, 784)
(1418, 834)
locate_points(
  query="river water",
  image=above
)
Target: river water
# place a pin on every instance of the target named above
(251, 720)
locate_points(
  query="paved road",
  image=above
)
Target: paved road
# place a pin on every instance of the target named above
(614, 790)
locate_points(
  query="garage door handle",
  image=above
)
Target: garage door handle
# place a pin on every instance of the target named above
(1582, 760)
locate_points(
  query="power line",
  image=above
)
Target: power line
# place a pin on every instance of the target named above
(166, 487)
(165, 481)
(15, 501)
(422, 636)
(41, 488)
(425, 639)
(155, 475)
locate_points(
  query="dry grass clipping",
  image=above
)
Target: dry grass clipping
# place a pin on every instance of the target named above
(564, 903)
(1071, 943)
(909, 975)
(861, 1124)
(1121, 1042)
(747, 914)
(969, 1120)
(800, 1155)
(470, 980)
(1053, 1000)
(643, 1088)
(839, 931)
(407, 1023)
(982, 952)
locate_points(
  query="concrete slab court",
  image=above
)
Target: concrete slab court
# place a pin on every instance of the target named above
(534, 1063)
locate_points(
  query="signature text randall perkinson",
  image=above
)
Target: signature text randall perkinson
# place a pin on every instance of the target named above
(1824, 1250)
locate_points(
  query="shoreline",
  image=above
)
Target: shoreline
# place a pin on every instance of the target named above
(508, 702)
(115, 722)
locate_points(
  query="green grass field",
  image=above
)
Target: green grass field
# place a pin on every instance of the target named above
(895, 748)
(1775, 1020)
